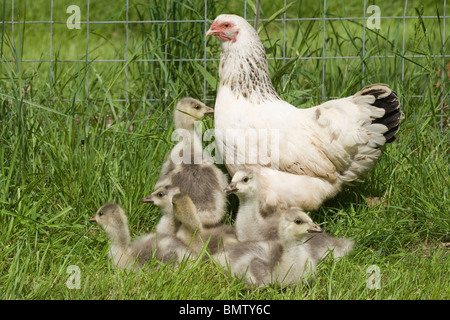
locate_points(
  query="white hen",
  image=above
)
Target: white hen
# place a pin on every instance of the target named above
(302, 156)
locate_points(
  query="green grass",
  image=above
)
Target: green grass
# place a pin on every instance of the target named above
(59, 161)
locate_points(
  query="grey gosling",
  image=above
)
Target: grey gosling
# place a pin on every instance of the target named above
(304, 246)
(193, 233)
(162, 198)
(286, 261)
(191, 169)
(250, 224)
(126, 255)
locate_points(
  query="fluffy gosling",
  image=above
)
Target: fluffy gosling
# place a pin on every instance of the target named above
(126, 255)
(250, 224)
(162, 198)
(193, 170)
(193, 233)
(288, 260)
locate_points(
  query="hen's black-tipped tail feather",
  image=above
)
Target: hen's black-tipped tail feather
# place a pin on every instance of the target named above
(386, 99)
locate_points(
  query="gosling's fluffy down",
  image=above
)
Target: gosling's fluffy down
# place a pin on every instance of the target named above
(162, 198)
(288, 260)
(191, 169)
(193, 233)
(126, 255)
(304, 248)
(184, 222)
(250, 224)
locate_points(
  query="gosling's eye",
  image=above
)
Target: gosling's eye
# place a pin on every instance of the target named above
(197, 107)
(101, 213)
(298, 221)
(160, 194)
(245, 179)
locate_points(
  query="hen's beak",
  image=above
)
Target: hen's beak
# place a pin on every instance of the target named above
(230, 188)
(92, 219)
(212, 30)
(314, 228)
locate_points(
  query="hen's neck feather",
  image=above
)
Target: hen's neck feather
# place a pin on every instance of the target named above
(244, 70)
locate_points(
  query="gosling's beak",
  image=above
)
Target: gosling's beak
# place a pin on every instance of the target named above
(314, 228)
(230, 188)
(147, 199)
(209, 110)
(92, 219)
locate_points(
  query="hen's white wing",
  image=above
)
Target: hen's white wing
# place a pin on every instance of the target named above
(277, 134)
(337, 139)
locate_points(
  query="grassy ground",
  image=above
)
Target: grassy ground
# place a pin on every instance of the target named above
(59, 160)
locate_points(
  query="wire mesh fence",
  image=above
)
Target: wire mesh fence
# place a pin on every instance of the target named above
(132, 38)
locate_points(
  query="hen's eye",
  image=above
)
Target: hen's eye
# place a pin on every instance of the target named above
(226, 25)
(160, 194)
(245, 179)
(298, 221)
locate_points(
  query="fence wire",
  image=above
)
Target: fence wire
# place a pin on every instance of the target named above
(206, 20)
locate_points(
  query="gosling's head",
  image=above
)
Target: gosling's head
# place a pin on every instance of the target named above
(111, 218)
(243, 183)
(296, 224)
(189, 110)
(162, 196)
